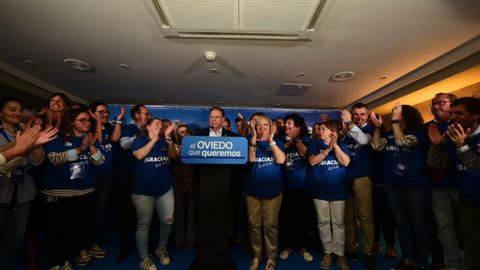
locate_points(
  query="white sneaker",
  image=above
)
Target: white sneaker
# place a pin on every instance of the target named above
(147, 264)
(162, 254)
(307, 256)
(285, 253)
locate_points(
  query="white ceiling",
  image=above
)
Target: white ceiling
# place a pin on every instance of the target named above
(402, 40)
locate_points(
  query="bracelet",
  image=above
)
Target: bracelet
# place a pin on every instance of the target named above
(252, 144)
(395, 121)
(168, 139)
(118, 122)
(273, 143)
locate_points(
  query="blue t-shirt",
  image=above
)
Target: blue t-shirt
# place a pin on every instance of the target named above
(106, 148)
(469, 189)
(443, 178)
(403, 166)
(264, 178)
(76, 175)
(127, 159)
(327, 180)
(294, 171)
(360, 163)
(153, 176)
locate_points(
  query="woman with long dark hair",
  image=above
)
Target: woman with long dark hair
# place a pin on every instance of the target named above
(184, 188)
(406, 181)
(66, 186)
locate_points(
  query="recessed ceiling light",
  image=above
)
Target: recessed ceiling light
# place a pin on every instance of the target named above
(221, 102)
(125, 67)
(342, 76)
(278, 104)
(214, 71)
(77, 64)
(301, 74)
(31, 62)
(160, 100)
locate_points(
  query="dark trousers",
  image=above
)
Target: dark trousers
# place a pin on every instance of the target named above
(183, 230)
(127, 215)
(411, 207)
(296, 208)
(63, 220)
(383, 217)
(95, 216)
(13, 223)
(470, 228)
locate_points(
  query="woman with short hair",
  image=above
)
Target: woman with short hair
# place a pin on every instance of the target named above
(263, 188)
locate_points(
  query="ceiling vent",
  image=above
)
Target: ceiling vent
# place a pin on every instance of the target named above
(293, 89)
(239, 19)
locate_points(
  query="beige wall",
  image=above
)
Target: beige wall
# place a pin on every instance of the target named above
(468, 91)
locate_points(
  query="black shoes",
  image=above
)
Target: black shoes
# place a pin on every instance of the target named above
(352, 256)
(369, 262)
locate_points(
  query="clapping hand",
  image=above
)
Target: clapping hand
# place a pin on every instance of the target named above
(376, 119)
(434, 134)
(457, 134)
(170, 129)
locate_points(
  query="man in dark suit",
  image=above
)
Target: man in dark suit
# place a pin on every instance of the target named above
(215, 119)
(213, 204)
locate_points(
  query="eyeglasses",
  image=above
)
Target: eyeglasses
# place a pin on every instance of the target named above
(83, 120)
(440, 102)
(103, 112)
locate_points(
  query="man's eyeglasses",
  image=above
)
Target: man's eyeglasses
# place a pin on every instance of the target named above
(440, 102)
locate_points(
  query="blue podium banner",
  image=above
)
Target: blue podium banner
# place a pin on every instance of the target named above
(214, 150)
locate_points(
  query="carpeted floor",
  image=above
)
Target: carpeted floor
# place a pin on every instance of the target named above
(181, 259)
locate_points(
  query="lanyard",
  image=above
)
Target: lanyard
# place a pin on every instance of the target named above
(7, 136)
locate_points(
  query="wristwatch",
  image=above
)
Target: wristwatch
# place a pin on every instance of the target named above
(395, 121)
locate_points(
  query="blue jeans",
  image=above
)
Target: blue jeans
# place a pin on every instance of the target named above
(13, 223)
(410, 207)
(445, 203)
(144, 207)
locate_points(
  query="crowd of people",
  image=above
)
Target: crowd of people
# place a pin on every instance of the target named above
(355, 178)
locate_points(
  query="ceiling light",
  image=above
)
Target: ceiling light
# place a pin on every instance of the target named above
(221, 102)
(125, 67)
(159, 100)
(30, 62)
(77, 64)
(342, 76)
(210, 56)
(214, 71)
(301, 74)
